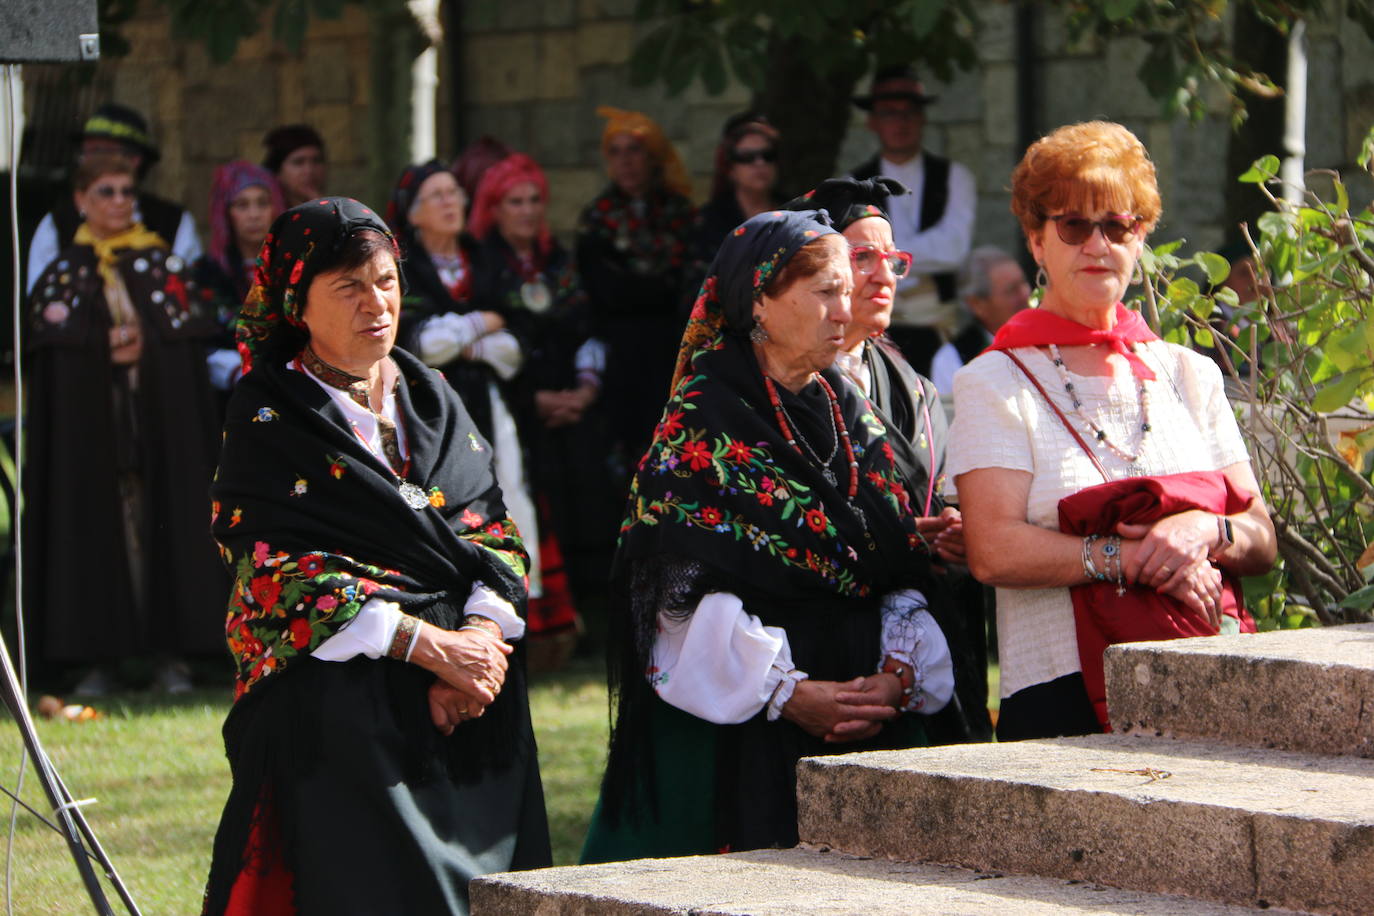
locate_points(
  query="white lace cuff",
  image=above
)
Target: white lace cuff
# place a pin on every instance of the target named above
(911, 636)
(787, 686)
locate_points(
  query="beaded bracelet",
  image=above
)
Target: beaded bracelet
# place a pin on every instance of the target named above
(905, 675)
(1089, 568)
(403, 639)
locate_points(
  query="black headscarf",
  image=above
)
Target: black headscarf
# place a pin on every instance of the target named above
(403, 198)
(301, 239)
(746, 261)
(850, 199)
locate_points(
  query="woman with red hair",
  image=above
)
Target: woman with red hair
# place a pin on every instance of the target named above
(520, 272)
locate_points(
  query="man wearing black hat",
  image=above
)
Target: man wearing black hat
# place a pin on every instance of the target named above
(934, 222)
(115, 129)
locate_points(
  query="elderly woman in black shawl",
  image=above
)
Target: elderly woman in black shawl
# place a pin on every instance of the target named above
(873, 363)
(380, 742)
(769, 574)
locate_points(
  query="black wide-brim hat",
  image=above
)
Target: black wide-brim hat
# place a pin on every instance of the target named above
(887, 74)
(118, 122)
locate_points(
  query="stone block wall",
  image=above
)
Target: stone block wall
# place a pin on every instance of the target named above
(532, 73)
(203, 114)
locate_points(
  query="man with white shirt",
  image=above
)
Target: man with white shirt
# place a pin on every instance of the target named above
(934, 222)
(113, 128)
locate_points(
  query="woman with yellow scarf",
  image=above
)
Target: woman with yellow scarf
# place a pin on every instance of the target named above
(121, 447)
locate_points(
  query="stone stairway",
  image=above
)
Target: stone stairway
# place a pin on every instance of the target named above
(1240, 776)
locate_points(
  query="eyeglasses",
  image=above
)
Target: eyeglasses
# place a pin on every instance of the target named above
(110, 192)
(865, 259)
(747, 156)
(1075, 230)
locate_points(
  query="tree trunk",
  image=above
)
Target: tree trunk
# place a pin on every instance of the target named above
(810, 108)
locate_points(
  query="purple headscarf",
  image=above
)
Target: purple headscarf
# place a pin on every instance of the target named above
(230, 181)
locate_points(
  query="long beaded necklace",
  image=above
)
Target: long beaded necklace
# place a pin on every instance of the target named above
(791, 433)
(1098, 433)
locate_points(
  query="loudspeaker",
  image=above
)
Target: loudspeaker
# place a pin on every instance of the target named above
(43, 31)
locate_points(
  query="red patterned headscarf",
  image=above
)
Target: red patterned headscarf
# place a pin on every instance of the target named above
(496, 183)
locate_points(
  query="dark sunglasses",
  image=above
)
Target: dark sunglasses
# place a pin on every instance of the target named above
(110, 192)
(746, 156)
(1075, 230)
(865, 260)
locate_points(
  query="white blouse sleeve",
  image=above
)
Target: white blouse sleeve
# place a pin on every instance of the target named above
(500, 350)
(721, 664)
(911, 636)
(443, 337)
(485, 602)
(368, 633)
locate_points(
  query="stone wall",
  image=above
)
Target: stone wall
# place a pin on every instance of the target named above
(203, 114)
(532, 73)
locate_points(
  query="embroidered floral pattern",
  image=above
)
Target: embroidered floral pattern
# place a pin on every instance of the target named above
(760, 502)
(284, 605)
(652, 243)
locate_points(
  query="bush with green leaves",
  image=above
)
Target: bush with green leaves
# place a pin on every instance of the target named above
(1298, 357)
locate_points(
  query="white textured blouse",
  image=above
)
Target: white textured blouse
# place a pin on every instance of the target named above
(1001, 421)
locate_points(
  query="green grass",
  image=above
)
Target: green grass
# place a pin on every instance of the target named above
(157, 767)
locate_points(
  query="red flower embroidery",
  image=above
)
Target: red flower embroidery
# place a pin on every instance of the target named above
(765, 498)
(697, 454)
(296, 272)
(311, 564)
(265, 591)
(877, 480)
(738, 452)
(671, 424)
(496, 530)
(815, 519)
(711, 515)
(300, 633)
(470, 518)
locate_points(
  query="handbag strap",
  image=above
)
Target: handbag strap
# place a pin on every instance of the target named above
(1092, 456)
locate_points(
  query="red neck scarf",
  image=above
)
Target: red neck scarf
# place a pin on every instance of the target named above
(1038, 328)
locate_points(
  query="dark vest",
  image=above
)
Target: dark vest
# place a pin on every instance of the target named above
(160, 216)
(934, 200)
(971, 341)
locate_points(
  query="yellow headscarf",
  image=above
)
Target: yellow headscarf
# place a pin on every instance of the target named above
(671, 169)
(107, 250)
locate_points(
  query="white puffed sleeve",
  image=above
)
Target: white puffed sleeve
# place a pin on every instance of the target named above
(720, 664)
(500, 350)
(911, 636)
(443, 337)
(368, 633)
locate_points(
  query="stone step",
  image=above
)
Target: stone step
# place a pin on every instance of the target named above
(787, 882)
(1303, 690)
(1237, 825)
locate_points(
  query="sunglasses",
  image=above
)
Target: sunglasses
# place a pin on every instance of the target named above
(747, 156)
(110, 192)
(865, 260)
(1075, 230)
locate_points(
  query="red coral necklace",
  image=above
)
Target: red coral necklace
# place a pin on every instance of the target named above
(792, 433)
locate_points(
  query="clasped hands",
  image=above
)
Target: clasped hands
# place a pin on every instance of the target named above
(1172, 556)
(841, 712)
(469, 666)
(566, 407)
